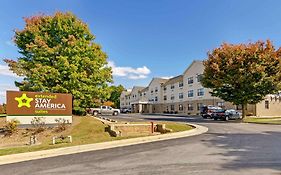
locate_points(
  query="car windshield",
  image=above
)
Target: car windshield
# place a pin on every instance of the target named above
(219, 110)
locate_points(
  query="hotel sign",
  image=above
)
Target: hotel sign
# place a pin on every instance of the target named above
(20, 103)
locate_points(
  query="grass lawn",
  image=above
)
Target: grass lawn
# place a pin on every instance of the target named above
(84, 130)
(274, 120)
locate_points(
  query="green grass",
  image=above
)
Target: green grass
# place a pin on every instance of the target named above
(274, 120)
(3, 115)
(178, 127)
(87, 131)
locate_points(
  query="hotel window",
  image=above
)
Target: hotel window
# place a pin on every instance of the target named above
(180, 95)
(200, 92)
(190, 93)
(266, 104)
(172, 107)
(190, 107)
(156, 98)
(165, 97)
(180, 84)
(190, 80)
(199, 77)
(180, 107)
(172, 86)
(172, 97)
(199, 106)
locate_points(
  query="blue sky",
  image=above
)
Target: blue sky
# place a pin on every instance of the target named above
(149, 38)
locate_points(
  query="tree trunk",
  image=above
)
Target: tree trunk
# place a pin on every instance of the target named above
(244, 110)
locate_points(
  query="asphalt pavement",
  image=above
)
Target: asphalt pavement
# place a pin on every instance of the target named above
(227, 148)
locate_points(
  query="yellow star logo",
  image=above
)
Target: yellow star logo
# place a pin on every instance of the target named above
(23, 101)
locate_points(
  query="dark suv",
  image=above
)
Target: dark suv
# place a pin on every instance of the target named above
(207, 111)
(229, 114)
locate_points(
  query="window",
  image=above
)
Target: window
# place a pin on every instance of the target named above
(190, 80)
(190, 93)
(199, 106)
(199, 77)
(144, 94)
(156, 89)
(172, 97)
(180, 107)
(151, 91)
(165, 97)
(190, 107)
(180, 95)
(180, 84)
(172, 107)
(165, 88)
(200, 92)
(103, 107)
(172, 86)
(266, 104)
(156, 98)
(140, 94)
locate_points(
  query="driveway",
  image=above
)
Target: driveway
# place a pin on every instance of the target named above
(227, 148)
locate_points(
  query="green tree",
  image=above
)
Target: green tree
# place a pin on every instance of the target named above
(59, 55)
(243, 73)
(115, 92)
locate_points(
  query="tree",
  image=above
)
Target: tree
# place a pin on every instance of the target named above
(59, 55)
(115, 92)
(244, 73)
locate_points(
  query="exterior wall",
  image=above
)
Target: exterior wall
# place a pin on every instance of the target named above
(193, 71)
(274, 107)
(124, 99)
(154, 93)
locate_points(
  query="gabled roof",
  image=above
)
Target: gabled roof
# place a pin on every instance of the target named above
(159, 80)
(173, 80)
(145, 89)
(193, 62)
(137, 88)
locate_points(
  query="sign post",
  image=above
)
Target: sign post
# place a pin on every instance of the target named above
(24, 106)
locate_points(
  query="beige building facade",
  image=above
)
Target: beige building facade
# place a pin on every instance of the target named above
(184, 94)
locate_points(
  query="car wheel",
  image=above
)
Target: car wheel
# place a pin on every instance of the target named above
(226, 118)
(115, 113)
(95, 113)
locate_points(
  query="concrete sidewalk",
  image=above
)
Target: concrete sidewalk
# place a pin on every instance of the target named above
(99, 146)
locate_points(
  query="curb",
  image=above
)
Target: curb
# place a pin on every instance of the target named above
(14, 158)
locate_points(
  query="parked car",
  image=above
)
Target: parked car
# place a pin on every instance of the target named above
(207, 111)
(126, 110)
(104, 110)
(229, 114)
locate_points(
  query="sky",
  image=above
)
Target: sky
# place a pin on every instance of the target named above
(148, 38)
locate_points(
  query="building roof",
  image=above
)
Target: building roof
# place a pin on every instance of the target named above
(158, 80)
(174, 80)
(193, 62)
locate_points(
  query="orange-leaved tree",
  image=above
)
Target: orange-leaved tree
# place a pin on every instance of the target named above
(243, 73)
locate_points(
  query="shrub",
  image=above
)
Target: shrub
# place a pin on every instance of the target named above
(11, 127)
(62, 124)
(38, 124)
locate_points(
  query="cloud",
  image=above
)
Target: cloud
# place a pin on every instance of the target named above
(3, 89)
(4, 70)
(129, 72)
(167, 77)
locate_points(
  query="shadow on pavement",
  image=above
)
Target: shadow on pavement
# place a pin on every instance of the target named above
(248, 151)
